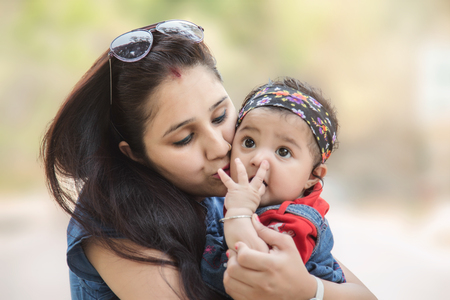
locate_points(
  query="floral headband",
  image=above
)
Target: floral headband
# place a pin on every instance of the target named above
(308, 108)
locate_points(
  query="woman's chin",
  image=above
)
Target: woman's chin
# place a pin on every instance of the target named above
(214, 189)
(218, 190)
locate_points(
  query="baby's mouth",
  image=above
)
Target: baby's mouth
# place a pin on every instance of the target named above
(264, 182)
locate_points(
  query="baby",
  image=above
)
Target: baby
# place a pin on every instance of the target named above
(285, 133)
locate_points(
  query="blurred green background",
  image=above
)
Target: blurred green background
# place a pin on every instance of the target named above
(385, 65)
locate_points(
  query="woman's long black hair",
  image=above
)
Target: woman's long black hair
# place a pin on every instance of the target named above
(100, 187)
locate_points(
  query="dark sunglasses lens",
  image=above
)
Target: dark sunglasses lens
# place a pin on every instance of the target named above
(132, 46)
(184, 28)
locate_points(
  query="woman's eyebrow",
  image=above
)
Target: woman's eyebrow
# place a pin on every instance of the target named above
(214, 106)
(176, 126)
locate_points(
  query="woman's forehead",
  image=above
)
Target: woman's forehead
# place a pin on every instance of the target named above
(195, 94)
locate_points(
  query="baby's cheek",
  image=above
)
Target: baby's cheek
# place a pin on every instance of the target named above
(234, 155)
(233, 172)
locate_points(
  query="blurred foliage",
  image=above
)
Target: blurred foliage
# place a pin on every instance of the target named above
(366, 56)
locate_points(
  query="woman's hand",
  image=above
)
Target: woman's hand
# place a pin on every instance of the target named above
(279, 274)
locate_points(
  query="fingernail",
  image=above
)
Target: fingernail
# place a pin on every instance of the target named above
(236, 247)
(228, 254)
(257, 218)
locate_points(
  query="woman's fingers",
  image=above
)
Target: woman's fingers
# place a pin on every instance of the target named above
(281, 244)
(236, 288)
(234, 279)
(273, 238)
(250, 259)
(279, 274)
(248, 277)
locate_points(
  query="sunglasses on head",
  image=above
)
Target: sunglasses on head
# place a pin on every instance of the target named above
(134, 45)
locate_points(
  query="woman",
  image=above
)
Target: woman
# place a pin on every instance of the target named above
(140, 140)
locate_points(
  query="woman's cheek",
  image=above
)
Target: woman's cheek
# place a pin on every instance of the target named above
(231, 130)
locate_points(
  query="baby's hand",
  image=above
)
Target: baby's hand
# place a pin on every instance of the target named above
(244, 194)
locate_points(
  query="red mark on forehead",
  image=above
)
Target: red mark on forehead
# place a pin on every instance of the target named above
(175, 72)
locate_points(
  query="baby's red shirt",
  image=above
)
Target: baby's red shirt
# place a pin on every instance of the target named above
(303, 231)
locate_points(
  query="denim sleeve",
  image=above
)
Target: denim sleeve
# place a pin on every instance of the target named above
(321, 263)
(214, 255)
(214, 263)
(81, 289)
(76, 259)
(85, 282)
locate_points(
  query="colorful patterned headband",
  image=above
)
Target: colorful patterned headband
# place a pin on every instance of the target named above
(308, 108)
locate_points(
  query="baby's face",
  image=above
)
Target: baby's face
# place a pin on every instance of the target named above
(282, 139)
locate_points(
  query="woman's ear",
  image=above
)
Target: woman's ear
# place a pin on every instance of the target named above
(319, 171)
(126, 150)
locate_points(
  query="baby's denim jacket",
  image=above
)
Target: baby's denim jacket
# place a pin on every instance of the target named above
(321, 263)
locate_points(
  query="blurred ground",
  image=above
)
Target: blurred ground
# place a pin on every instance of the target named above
(396, 255)
(32, 252)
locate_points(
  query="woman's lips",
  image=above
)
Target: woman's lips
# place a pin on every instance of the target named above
(226, 169)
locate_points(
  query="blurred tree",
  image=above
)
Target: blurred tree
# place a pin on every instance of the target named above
(363, 54)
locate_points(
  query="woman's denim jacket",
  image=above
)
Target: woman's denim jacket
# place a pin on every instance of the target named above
(85, 281)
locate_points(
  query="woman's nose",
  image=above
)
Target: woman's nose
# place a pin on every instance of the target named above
(215, 145)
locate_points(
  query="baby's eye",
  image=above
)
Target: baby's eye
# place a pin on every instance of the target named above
(283, 152)
(248, 143)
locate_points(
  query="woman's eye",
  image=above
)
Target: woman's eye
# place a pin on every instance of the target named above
(284, 152)
(248, 143)
(184, 141)
(221, 118)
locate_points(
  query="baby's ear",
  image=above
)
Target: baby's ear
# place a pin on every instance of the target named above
(319, 171)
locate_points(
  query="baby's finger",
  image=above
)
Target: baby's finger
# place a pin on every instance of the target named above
(257, 181)
(261, 190)
(242, 173)
(227, 181)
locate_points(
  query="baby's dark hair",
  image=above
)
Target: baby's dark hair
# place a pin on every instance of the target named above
(310, 91)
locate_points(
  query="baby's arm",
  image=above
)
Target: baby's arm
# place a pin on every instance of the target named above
(243, 199)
